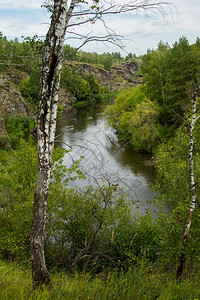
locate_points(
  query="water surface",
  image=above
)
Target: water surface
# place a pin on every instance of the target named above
(86, 132)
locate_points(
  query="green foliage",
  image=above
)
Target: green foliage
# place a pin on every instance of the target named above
(76, 84)
(93, 228)
(135, 240)
(85, 88)
(149, 114)
(82, 90)
(33, 45)
(172, 184)
(107, 61)
(69, 53)
(143, 126)
(172, 159)
(17, 127)
(135, 118)
(126, 100)
(170, 75)
(23, 55)
(181, 77)
(89, 229)
(18, 171)
(17, 181)
(154, 70)
(93, 82)
(81, 223)
(29, 87)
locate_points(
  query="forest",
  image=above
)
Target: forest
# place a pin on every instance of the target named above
(96, 247)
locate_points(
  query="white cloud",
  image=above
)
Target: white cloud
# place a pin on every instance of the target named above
(22, 4)
(25, 17)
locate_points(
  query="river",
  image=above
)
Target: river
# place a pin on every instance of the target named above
(86, 132)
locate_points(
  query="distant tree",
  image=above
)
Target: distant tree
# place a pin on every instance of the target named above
(170, 76)
(107, 61)
(130, 56)
(69, 53)
(116, 57)
(198, 42)
(154, 70)
(93, 82)
(181, 74)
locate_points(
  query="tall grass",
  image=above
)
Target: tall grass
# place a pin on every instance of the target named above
(141, 283)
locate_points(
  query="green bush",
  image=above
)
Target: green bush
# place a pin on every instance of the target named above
(17, 127)
(135, 118)
(17, 181)
(85, 87)
(29, 87)
(18, 171)
(80, 228)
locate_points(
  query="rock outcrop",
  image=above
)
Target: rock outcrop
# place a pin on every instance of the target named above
(11, 100)
(4, 140)
(119, 76)
(66, 99)
(11, 104)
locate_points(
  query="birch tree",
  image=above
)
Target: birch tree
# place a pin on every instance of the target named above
(47, 112)
(193, 198)
(78, 12)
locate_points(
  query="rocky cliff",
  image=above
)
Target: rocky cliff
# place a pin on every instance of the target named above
(11, 104)
(119, 76)
(11, 100)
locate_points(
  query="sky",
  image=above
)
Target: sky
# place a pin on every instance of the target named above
(141, 32)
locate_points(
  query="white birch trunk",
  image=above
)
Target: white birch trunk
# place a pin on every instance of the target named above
(193, 198)
(47, 112)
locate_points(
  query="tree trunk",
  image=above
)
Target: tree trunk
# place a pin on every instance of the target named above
(193, 198)
(39, 270)
(47, 112)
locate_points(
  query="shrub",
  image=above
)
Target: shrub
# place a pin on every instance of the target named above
(29, 87)
(17, 127)
(135, 117)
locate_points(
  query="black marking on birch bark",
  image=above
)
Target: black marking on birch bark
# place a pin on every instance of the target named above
(193, 191)
(52, 67)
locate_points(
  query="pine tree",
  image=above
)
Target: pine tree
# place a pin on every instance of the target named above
(180, 79)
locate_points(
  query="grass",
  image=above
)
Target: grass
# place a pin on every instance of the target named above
(15, 283)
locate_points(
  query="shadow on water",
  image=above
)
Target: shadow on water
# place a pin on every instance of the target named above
(86, 132)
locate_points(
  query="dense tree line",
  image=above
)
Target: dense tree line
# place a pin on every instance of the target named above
(105, 59)
(27, 54)
(23, 55)
(170, 77)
